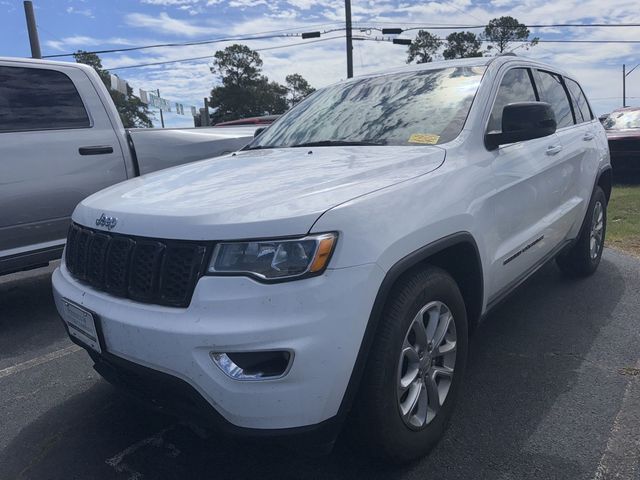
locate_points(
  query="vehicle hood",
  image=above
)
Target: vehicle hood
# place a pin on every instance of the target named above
(255, 193)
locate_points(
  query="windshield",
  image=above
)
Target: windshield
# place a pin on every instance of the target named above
(426, 107)
(622, 120)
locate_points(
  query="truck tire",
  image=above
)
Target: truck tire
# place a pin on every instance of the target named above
(584, 256)
(415, 367)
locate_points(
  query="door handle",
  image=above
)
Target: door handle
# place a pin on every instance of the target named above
(554, 149)
(588, 136)
(96, 150)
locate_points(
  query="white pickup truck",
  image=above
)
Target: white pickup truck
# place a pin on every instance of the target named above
(61, 139)
(335, 266)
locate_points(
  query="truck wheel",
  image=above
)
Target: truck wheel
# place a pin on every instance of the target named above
(584, 257)
(415, 367)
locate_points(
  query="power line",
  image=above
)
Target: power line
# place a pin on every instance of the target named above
(420, 25)
(279, 34)
(374, 39)
(210, 56)
(255, 36)
(526, 41)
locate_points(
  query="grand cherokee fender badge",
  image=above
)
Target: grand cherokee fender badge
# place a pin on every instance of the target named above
(104, 221)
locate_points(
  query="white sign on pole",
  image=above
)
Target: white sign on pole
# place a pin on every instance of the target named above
(158, 102)
(122, 86)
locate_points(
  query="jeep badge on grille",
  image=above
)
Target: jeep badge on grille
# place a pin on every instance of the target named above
(104, 221)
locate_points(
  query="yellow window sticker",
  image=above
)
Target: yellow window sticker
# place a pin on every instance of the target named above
(427, 138)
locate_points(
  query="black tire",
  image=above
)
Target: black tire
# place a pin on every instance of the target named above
(580, 260)
(378, 419)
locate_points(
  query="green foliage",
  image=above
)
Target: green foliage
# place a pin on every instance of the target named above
(423, 48)
(237, 65)
(505, 30)
(133, 112)
(298, 88)
(462, 45)
(245, 92)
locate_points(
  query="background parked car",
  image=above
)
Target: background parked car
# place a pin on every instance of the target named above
(623, 133)
(261, 121)
(61, 139)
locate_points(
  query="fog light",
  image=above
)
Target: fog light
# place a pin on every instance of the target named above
(254, 365)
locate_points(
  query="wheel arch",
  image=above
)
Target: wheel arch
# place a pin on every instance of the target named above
(605, 181)
(457, 254)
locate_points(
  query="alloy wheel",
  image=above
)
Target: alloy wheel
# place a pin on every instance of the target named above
(426, 365)
(597, 230)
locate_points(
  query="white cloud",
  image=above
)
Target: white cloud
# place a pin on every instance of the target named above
(164, 23)
(166, 3)
(597, 66)
(85, 42)
(87, 12)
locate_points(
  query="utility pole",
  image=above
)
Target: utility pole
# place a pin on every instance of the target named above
(624, 85)
(204, 116)
(161, 116)
(625, 74)
(31, 28)
(347, 11)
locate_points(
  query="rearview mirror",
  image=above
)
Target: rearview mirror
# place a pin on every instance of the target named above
(523, 121)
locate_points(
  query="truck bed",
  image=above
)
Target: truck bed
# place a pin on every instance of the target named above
(158, 148)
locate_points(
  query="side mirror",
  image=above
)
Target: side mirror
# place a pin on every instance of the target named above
(258, 131)
(523, 121)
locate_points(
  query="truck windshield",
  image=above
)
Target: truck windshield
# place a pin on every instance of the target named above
(427, 107)
(622, 120)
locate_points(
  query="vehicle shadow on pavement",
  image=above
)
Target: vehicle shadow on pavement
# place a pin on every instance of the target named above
(26, 313)
(524, 360)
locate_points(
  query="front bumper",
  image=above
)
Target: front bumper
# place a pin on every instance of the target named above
(322, 320)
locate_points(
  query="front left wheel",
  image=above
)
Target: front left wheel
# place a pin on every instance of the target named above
(415, 367)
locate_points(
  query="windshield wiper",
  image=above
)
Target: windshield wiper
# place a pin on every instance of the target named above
(336, 143)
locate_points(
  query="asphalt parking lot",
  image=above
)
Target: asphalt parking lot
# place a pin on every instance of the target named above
(552, 391)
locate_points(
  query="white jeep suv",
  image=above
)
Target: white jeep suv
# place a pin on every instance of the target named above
(338, 263)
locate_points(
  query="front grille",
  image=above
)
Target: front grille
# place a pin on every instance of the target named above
(162, 272)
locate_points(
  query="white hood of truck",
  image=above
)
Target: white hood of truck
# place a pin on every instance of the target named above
(257, 193)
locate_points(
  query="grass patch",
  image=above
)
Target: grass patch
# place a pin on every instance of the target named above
(623, 222)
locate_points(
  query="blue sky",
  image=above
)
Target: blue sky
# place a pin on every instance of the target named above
(68, 25)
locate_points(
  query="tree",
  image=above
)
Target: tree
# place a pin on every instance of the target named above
(500, 32)
(298, 88)
(244, 91)
(237, 64)
(462, 45)
(133, 112)
(423, 48)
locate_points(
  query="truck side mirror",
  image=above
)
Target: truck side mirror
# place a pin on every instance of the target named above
(523, 121)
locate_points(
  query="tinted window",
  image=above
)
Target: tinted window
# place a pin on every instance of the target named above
(552, 91)
(37, 99)
(411, 108)
(515, 87)
(580, 105)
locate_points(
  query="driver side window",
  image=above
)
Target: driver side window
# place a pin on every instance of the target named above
(516, 86)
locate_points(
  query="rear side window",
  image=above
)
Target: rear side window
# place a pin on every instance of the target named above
(580, 105)
(515, 87)
(552, 91)
(39, 99)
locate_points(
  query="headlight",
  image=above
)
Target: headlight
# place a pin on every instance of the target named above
(274, 259)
